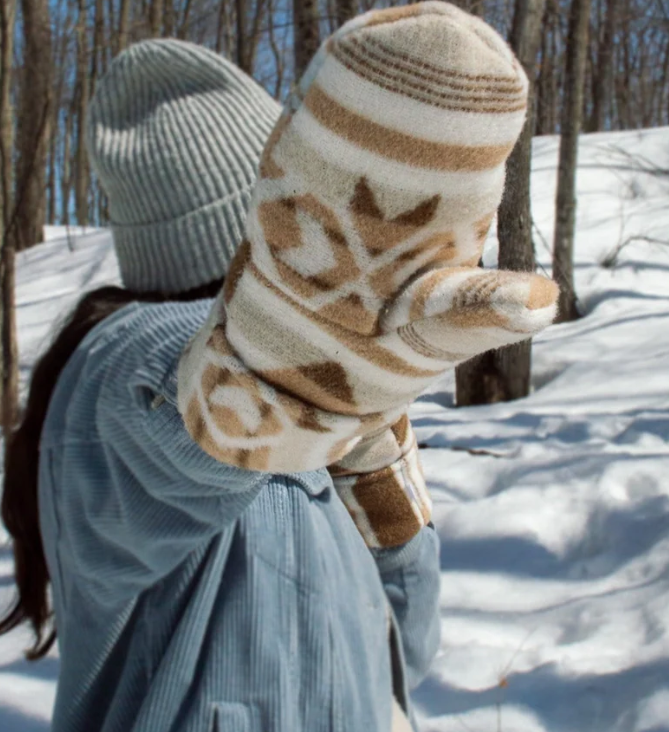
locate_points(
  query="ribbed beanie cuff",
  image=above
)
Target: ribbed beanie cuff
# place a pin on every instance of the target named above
(179, 255)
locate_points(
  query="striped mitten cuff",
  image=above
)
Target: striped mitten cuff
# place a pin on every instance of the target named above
(381, 484)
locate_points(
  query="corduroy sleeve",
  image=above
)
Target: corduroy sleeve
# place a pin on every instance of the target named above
(410, 577)
(167, 495)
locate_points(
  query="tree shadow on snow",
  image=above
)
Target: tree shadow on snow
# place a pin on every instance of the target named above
(592, 702)
(12, 721)
(46, 669)
(509, 554)
(590, 303)
(568, 429)
(611, 539)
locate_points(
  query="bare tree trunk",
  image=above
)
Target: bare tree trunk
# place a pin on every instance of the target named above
(475, 7)
(51, 181)
(97, 57)
(35, 96)
(10, 350)
(516, 249)
(547, 92)
(156, 12)
(182, 30)
(224, 33)
(220, 25)
(276, 51)
(346, 9)
(66, 168)
(664, 87)
(98, 68)
(504, 374)
(602, 90)
(9, 381)
(81, 172)
(123, 23)
(61, 38)
(113, 29)
(570, 127)
(240, 46)
(103, 207)
(307, 33)
(254, 36)
(625, 79)
(169, 17)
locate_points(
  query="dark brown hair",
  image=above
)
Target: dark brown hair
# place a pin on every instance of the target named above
(20, 511)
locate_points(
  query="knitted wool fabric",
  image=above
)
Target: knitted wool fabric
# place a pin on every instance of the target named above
(357, 285)
(175, 133)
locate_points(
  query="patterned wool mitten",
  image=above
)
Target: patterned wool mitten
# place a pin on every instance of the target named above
(357, 285)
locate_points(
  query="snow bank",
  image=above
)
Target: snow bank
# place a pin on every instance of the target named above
(553, 511)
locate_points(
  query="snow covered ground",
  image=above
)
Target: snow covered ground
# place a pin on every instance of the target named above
(553, 511)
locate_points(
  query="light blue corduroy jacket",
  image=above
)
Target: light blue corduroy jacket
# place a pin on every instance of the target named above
(191, 596)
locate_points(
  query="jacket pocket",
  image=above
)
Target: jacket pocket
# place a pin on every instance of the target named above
(234, 717)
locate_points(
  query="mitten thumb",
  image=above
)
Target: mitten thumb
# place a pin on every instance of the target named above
(454, 313)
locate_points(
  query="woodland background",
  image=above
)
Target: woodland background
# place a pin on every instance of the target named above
(595, 65)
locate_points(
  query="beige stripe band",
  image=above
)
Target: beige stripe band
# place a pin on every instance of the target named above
(395, 54)
(399, 146)
(447, 79)
(426, 94)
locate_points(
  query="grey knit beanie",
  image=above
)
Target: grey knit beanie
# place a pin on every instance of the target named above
(175, 133)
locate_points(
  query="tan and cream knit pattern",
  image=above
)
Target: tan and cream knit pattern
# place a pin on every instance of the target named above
(381, 483)
(357, 285)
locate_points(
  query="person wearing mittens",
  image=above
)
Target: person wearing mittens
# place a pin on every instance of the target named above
(232, 517)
